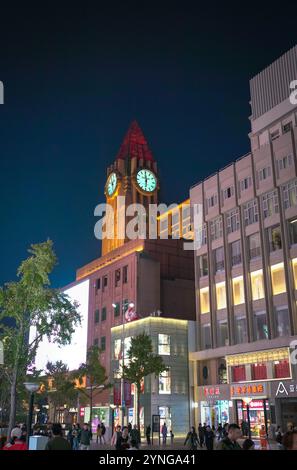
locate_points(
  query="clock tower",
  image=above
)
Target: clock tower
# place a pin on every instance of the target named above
(132, 175)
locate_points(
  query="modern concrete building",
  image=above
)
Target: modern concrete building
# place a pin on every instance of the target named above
(168, 394)
(246, 268)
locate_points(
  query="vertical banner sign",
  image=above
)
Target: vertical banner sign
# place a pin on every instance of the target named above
(127, 394)
(117, 393)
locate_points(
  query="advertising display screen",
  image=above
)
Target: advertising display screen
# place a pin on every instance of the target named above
(74, 353)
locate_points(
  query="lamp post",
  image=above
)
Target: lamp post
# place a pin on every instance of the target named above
(248, 401)
(31, 387)
(131, 305)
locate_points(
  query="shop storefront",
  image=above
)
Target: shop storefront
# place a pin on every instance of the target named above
(252, 406)
(214, 404)
(284, 398)
(99, 415)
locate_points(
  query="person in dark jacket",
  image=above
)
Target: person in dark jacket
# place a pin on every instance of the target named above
(85, 438)
(201, 435)
(57, 442)
(135, 435)
(230, 442)
(148, 435)
(209, 438)
(191, 439)
(248, 445)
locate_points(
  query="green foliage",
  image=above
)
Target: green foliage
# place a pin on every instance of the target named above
(142, 361)
(29, 302)
(92, 370)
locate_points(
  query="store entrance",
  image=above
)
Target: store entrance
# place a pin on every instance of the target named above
(253, 414)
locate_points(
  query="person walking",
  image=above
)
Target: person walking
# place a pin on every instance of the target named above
(148, 435)
(209, 438)
(279, 437)
(103, 432)
(171, 437)
(15, 442)
(70, 436)
(98, 433)
(117, 438)
(76, 437)
(191, 440)
(124, 444)
(85, 438)
(230, 442)
(220, 431)
(57, 442)
(263, 438)
(201, 435)
(164, 433)
(135, 435)
(290, 440)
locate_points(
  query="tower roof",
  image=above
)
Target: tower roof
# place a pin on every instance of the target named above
(135, 144)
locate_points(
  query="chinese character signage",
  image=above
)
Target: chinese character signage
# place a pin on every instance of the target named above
(284, 389)
(248, 390)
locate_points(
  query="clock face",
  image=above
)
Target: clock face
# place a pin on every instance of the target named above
(146, 180)
(111, 184)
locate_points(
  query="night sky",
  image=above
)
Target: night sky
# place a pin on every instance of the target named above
(75, 77)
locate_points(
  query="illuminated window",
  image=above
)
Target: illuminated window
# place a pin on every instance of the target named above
(241, 330)
(222, 333)
(238, 290)
(278, 279)
(254, 244)
(293, 231)
(282, 321)
(164, 344)
(219, 262)
(274, 238)
(204, 300)
(257, 284)
(260, 325)
(203, 265)
(165, 382)
(294, 262)
(221, 295)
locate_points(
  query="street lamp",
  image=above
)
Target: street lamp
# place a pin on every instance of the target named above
(31, 387)
(124, 305)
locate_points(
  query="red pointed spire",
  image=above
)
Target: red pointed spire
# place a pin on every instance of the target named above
(135, 144)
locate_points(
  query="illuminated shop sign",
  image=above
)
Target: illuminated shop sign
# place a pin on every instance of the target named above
(211, 391)
(284, 389)
(248, 390)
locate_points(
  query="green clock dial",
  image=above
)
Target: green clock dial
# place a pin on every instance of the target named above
(146, 180)
(111, 184)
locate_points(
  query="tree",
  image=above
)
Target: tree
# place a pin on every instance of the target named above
(29, 302)
(59, 386)
(93, 374)
(141, 363)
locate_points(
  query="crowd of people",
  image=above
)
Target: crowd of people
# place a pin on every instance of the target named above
(227, 436)
(223, 437)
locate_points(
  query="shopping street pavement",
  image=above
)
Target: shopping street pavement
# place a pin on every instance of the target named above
(178, 444)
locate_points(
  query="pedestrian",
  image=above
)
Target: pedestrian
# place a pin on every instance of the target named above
(192, 439)
(263, 438)
(279, 437)
(209, 438)
(164, 433)
(201, 435)
(171, 437)
(98, 433)
(148, 435)
(57, 442)
(85, 438)
(220, 431)
(135, 435)
(230, 442)
(116, 438)
(225, 430)
(70, 437)
(15, 442)
(248, 444)
(290, 440)
(129, 428)
(76, 437)
(125, 439)
(103, 432)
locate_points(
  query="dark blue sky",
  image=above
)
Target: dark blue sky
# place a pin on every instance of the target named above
(75, 77)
